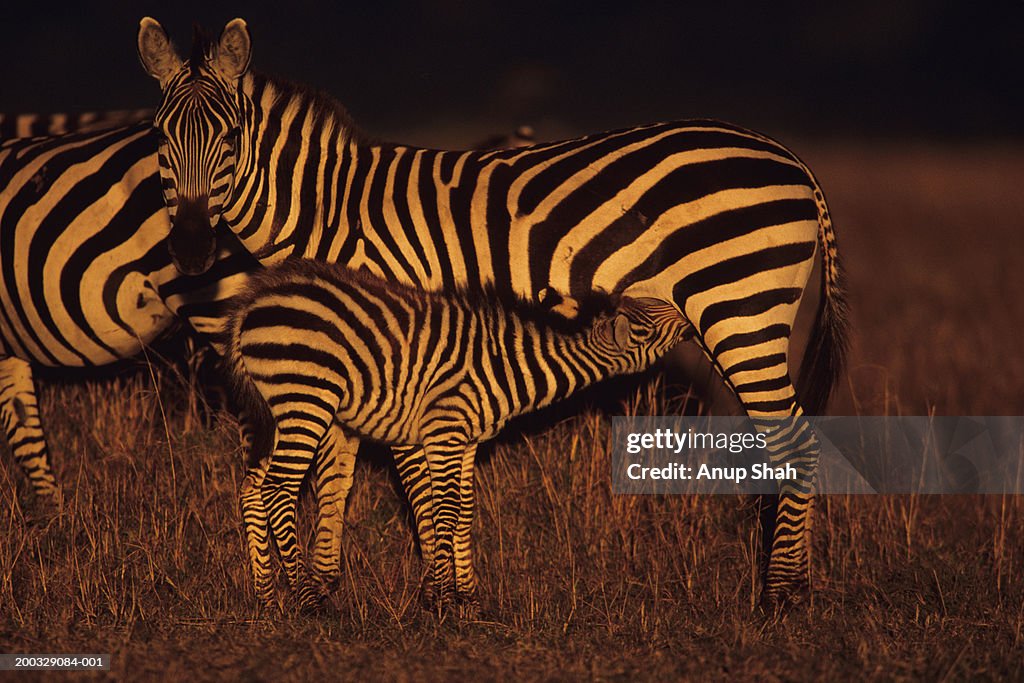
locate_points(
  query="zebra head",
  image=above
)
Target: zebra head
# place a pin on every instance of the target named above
(198, 127)
(641, 330)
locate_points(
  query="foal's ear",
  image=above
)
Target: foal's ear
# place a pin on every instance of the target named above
(620, 331)
(156, 52)
(234, 50)
(662, 313)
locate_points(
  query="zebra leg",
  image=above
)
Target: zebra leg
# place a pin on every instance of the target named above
(751, 353)
(768, 397)
(257, 532)
(300, 432)
(19, 415)
(333, 469)
(465, 575)
(791, 442)
(445, 462)
(415, 476)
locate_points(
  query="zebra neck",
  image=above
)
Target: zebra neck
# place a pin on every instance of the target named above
(340, 201)
(308, 184)
(292, 149)
(557, 365)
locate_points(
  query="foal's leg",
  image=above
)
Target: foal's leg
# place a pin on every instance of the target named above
(333, 469)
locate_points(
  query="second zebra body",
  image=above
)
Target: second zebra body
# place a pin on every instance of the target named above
(312, 343)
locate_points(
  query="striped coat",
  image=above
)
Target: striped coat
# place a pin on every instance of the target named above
(313, 343)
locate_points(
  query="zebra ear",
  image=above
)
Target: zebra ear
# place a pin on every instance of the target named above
(156, 52)
(663, 313)
(620, 331)
(234, 50)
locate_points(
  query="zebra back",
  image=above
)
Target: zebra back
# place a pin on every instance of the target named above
(61, 123)
(390, 359)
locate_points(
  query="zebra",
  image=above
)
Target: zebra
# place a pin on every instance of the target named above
(63, 300)
(312, 343)
(722, 221)
(39, 125)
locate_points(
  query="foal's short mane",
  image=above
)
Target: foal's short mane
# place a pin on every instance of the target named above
(489, 299)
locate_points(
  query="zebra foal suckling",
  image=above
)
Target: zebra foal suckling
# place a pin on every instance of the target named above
(724, 222)
(311, 344)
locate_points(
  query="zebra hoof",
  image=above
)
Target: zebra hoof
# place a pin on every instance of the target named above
(265, 595)
(266, 607)
(780, 600)
(317, 608)
(312, 602)
(428, 596)
(42, 508)
(468, 607)
(50, 496)
(311, 594)
(330, 580)
(436, 603)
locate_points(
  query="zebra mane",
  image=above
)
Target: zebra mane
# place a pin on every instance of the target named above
(326, 109)
(592, 306)
(201, 49)
(490, 299)
(285, 93)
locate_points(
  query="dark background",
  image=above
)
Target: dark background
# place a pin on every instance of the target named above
(916, 69)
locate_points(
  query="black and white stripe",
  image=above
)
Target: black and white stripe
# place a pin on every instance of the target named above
(312, 344)
(722, 221)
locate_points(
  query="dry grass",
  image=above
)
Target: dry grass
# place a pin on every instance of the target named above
(145, 560)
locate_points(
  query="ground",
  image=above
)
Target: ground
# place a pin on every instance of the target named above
(145, 560)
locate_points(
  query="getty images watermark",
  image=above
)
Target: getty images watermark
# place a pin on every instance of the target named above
(858, 454)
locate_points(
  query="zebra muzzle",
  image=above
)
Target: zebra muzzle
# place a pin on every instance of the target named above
(192, 242)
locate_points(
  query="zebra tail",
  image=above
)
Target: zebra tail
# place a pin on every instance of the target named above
(825, 356)
(250, 402)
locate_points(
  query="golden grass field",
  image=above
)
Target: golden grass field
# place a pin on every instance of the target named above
(145, 560)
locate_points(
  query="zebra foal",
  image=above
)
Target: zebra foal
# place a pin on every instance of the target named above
(311, 343)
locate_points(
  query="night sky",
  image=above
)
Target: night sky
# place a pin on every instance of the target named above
(914, 69)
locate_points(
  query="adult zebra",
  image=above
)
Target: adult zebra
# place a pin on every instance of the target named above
(312, 343)
(722, 221)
